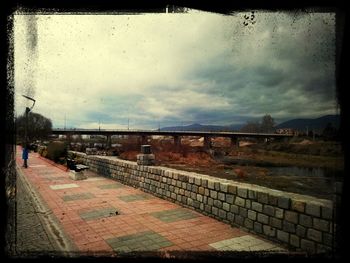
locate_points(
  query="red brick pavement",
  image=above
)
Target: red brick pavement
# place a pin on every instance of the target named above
(193, 234)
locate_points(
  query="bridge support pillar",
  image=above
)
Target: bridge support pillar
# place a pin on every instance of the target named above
(207, 142)
(109, 141)
(234, 142)
(177, 142)
(143, 139)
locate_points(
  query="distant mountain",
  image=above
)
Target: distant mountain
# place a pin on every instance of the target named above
(200, 127)
(317, 124)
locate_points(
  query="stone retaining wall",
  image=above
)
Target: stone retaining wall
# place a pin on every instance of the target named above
(298, 221)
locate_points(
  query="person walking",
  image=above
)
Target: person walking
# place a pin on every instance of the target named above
(25, 154)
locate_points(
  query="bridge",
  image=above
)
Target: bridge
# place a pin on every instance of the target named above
(207, 135)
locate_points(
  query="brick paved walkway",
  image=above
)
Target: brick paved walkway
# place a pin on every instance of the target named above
(100, 215)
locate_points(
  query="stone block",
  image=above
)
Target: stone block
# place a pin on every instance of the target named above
(213, 194)
(243, 212)
(242, 192)
(269, 210)
(222, 214)
(204, 183)
(283, 202)
(291, 217)
(320, 224)
(252, 215)
(288, 227)
(305, 220)
(263, 198)
(217, 186)
(252, 194)
(314, 235)
(273, 200)
(269, 231)
(279, 213)
(326, 213)
(307, 245)
(258, 227)
(263, 218)
(277, 223)
(226, 206)
(257, 207)
(223, 187)
(248, 223)
(145, 159)
(197, 181)
(218, 203)
(229, 198)
(77, 175)
(230, 217)
(215, 210)
(313, 210)
(232, 189)
(211, 185)
(283, 236)
(234, 209)
(298, 206)
(194, 188)
(239, 220)
(240, 201)
(221, 196)
(199, 198)
(294, 241)
(300, 231)
(201, 190)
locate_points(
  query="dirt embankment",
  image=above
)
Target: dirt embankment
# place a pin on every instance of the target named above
(251, 162)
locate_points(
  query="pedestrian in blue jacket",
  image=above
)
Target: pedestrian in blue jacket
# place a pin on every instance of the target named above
(25, 154)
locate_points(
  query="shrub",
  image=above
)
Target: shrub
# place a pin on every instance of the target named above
(56, 149)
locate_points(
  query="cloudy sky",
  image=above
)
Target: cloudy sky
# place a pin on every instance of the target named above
(87, 71)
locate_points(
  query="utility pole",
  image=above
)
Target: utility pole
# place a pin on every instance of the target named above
(128, 123)
(64, 121)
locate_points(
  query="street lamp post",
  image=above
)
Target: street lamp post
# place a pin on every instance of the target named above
(26, 124)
